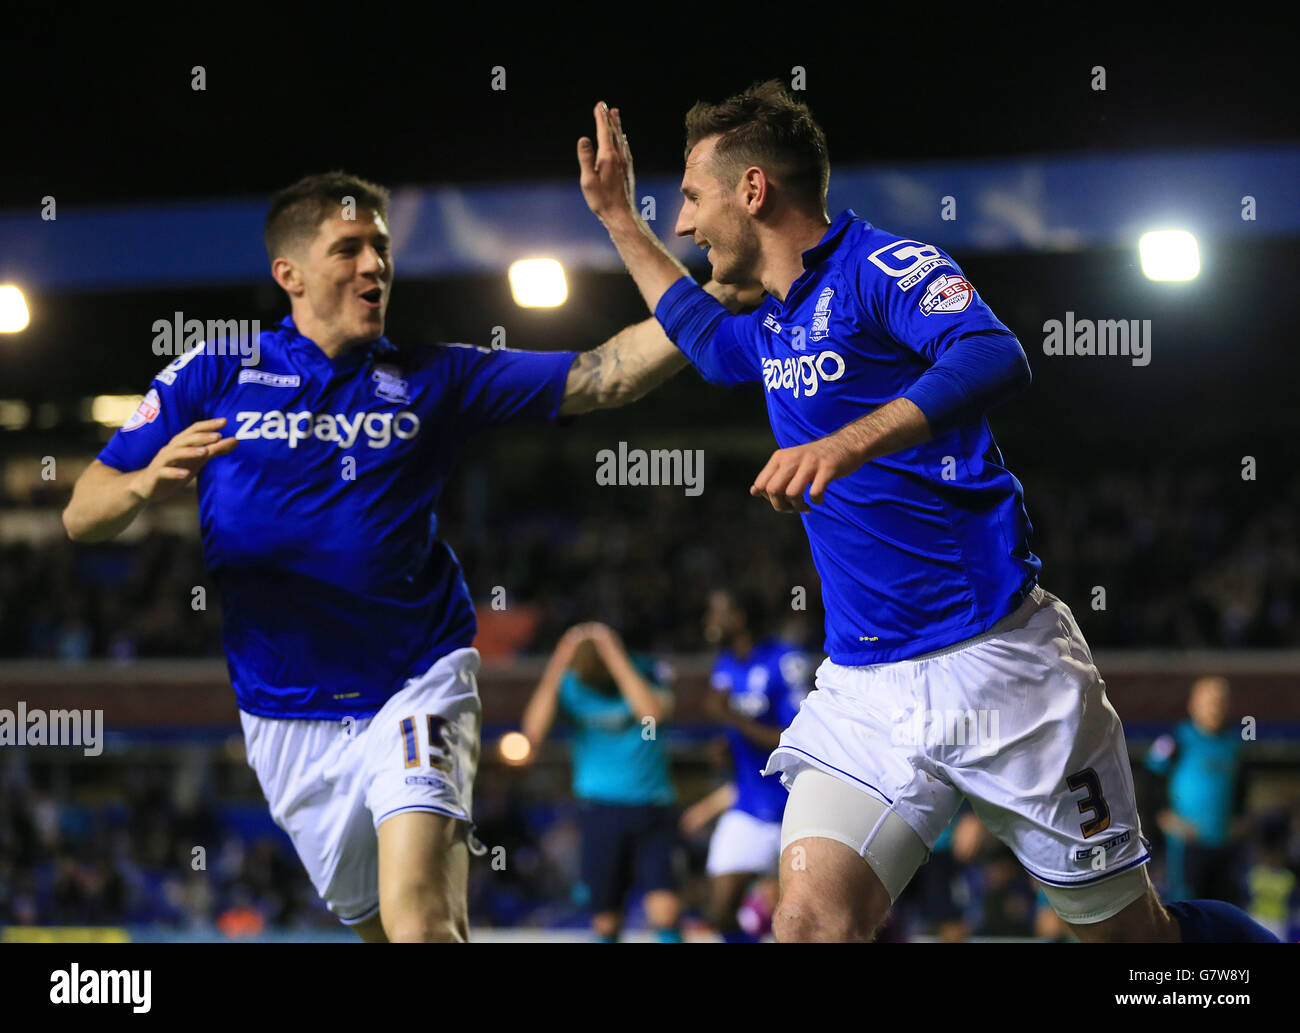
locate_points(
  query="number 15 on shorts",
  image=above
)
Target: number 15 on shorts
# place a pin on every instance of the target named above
(437, 747)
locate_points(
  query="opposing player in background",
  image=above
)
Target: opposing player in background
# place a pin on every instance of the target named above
(616, 706)
(759, 683)
(879, 361)
(347, 623)
(1201, 759)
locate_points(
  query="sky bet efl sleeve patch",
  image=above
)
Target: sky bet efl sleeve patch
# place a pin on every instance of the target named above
(146, 412)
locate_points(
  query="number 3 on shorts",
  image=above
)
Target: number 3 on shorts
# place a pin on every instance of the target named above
(437, 747)
(1094, 801)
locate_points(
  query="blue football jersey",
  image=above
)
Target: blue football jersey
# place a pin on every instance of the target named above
(320, 528)
(926, 546)
(766, 686)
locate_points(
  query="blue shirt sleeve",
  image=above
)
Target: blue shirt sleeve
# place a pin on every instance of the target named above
(720, 679)
(177, 396)
(500, 385)
(974, 361)
(718, 344)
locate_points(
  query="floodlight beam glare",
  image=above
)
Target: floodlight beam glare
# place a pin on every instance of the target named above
(14, 315)
(538, 283)
(515, 747)
(1169, 255)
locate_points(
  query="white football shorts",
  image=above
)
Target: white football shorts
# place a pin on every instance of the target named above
(742, 843)
(1015, 719)
(331, 784)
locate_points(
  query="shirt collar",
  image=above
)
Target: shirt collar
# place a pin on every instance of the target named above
(377, 348)
(819, 251)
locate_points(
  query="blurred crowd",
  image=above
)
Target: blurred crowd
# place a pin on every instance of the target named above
(143, 842)
(121, 850)
(1154, 560)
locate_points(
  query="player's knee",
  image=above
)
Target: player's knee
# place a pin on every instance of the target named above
(424, 917)
(426, 927)
(802, 918)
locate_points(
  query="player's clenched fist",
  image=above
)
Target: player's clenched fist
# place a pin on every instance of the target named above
(178, 461)
(791, 470)
(606, 177)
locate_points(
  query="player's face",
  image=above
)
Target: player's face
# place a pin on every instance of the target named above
(348, 276)
(589, 667)
(722, 619)
(714, 217)
(1209, 704)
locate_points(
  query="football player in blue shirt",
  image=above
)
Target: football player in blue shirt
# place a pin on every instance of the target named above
(759, 683)
(347, 623)
(951, 673)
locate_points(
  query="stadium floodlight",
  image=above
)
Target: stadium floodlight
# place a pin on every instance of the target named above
(515, 747)
(13, 310)
(1169, 255)
(113, 410)
(538, 283)
(15, 414)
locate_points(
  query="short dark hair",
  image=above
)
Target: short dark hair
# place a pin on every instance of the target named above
(765, 126)
(753, 604)
(297, 211)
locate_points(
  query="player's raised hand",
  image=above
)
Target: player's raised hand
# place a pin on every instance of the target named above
(606, 176)
(604, 637)
(180, 460)
(792, 470)
(569, 642)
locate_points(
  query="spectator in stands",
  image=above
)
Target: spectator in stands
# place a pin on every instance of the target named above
(1273, 883)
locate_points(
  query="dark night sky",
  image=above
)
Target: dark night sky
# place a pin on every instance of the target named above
(99, 105)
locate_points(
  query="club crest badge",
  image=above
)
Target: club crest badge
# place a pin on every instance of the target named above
(822, 316)
(390, 386)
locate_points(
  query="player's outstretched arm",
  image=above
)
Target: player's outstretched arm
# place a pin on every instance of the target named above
(105, 501)
(765, 737)
(700, 813)
(896, 425)
(637, 359)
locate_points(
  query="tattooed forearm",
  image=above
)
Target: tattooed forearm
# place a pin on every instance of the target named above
(637, 359)
(629, 365)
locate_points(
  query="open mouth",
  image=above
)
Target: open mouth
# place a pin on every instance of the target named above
(373, 296)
